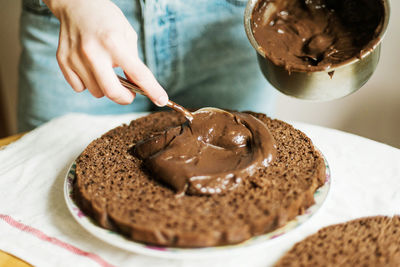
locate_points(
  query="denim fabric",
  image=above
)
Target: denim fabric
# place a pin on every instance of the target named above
(197, 50)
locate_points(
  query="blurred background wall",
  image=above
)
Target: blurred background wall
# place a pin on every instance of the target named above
(9, 54)
(372, 112)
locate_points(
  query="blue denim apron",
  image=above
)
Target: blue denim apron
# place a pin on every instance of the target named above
(197, 50)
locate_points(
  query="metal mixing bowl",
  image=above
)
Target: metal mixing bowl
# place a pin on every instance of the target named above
(318, 86)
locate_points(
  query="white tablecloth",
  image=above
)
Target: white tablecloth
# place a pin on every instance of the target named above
(36, 226)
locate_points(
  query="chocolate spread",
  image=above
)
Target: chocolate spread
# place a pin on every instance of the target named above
(315, 35)
(210, 155)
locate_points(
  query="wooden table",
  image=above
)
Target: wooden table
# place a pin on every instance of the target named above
(7, 260)
(10, 139)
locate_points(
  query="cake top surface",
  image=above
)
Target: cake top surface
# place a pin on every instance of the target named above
(371, 241)
(209, 155)
(116, 188)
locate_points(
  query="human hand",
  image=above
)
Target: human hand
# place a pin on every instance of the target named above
(94, 37)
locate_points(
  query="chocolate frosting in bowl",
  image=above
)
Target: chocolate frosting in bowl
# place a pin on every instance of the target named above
(210, 155)
(316, 35)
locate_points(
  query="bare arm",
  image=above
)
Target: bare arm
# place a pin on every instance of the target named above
(94, 37)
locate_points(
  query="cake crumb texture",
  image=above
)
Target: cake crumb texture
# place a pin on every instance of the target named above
(371, 241)
(114, 188)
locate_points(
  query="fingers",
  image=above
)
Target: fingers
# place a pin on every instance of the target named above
(76, 73)
(89, 64)
(89, 47)
(70, 76)
(125, 55)
(111, 87)
(89, 80)
(108, 81)
(90, 67)
(138, 72)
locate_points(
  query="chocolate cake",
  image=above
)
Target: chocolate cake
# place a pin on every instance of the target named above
(116, 189)
(371, 241)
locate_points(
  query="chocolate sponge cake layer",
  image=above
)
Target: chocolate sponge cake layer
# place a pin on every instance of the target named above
(371, 241)
(113, 187)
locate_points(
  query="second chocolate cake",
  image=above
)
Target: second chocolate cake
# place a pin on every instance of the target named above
(114, 187)
(369, 241)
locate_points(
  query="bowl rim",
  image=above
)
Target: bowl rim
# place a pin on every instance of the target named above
(247, 25)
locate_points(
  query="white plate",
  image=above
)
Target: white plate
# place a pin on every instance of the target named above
(120, 241)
